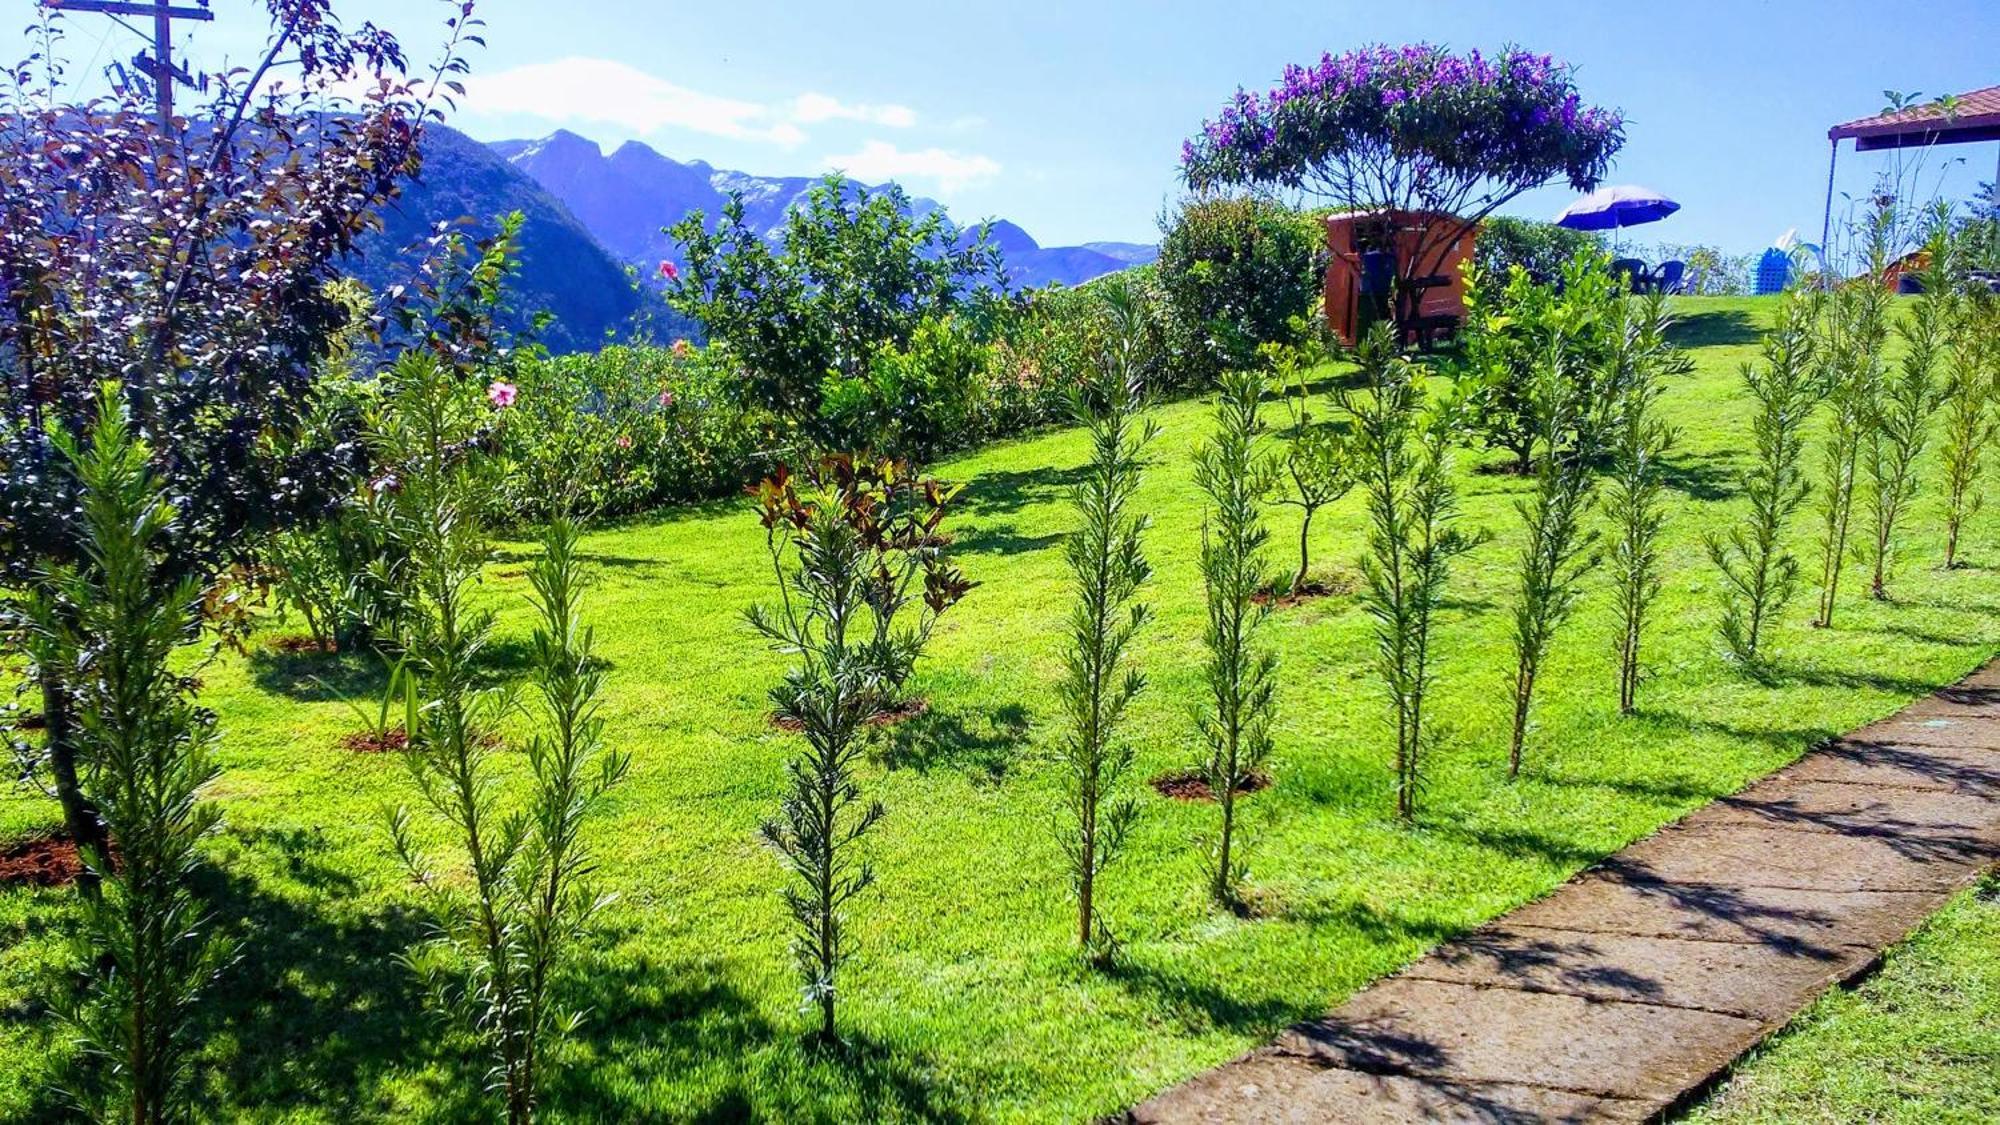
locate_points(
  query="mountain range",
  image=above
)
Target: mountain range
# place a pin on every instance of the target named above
(594, 221)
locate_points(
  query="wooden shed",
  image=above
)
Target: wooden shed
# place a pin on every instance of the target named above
(1401, 264)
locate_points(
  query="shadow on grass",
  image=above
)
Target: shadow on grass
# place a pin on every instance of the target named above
(1782, 674)
(657, 1021)
(1714, 328)
(1777, 738)
(1199, 1006)
(1667, 791)
(1012, 490)
(318, 1010)
(361, 674)
(1707, 476)
(982, 746)
(1002, 539)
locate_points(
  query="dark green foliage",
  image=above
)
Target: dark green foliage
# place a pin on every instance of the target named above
(918, 400)
(1900, 426)
(1238, 272)
(1540, 249)
(1853, 336)
(1107, 566)
(1759, 573)
(1972, 378)
(1635, 494)
(1401, 453)
(853, 543)
(852, 272)
(1241, 672)
(147, 946)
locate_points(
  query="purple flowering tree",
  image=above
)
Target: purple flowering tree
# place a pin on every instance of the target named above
(1414, 129)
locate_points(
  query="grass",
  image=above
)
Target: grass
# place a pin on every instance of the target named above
(1919, 1042)
(967, 1001)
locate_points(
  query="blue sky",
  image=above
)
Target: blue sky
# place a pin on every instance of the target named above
(1067, 117)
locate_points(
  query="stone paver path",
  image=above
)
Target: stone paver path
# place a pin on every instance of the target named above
(1627, 991)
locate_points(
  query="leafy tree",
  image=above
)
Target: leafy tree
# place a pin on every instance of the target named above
(1316, 462)
(1541, 249)
(1513, 324)
(1402, 459)
(1414, 129)
(1972, 379)
(1759, 574)
(917, 401)
(826, 529)
(1241, 672)
(1238, 272)
(1109, 567)
(126, 609)
(188, 260)
(1635, 496)
(851, 272)
(1853, 338)
(1899, 427)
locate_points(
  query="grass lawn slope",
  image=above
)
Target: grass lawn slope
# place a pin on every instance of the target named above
(967, 1001)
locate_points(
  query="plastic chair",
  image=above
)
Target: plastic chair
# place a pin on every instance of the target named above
(1633, 271)
(1670, 277)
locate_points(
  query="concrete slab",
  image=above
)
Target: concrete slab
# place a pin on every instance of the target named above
(1955, 731)
(1703, 850)
(1619, 899)
(1502, 1035)
(1889, 765)
(1948, 819)
(1269, 1088)
(1727, 977)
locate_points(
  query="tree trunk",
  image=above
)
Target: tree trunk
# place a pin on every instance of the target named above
(80, 817)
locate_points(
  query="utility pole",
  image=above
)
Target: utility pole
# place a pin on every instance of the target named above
(159, 65)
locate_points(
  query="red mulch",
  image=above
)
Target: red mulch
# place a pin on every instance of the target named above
(47, 860)
(299, 643)
(887, 717)
(368, 742)
(1189, 785)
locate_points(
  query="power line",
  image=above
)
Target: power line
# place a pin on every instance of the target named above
(159, 65)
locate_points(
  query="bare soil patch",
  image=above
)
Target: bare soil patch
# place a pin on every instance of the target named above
(1190, 785)
(373, 742)
(887, 717)
(45, 860)
(298, 643)
(1325, 586)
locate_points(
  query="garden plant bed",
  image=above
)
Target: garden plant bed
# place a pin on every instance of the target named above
(901, 713)
(371, 742)
(1190, 785)
(1632, 989)
(1338, 586)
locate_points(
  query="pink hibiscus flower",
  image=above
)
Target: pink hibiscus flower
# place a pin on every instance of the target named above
(501, 394)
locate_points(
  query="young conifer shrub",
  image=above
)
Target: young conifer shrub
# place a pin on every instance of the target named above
(828, 527)
(1241, 672)
(1972, 377)
(147, 943)
(501, 934)
(1108, 567)
(1760, 575)
(1401, 454)
(1900, 426)
(1635, 495)
(1853, 334)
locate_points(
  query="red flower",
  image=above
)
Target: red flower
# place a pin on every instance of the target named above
(670, 271)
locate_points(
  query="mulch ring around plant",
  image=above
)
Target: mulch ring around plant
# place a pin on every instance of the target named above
(45, 860)
(1334, 586)
(376, 742)
(887, 717)
(1190, 785)
(299, 643)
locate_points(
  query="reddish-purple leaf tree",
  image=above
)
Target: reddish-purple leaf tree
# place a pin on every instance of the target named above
(187, 261)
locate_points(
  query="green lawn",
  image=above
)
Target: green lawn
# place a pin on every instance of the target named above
(1918, 1043)
(967, 1000)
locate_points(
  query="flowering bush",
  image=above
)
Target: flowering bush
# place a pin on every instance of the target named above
(627, 428)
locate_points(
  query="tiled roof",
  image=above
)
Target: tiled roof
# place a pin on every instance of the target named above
(1976, 116)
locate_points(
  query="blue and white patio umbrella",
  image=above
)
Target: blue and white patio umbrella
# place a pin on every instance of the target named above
(1611, 208)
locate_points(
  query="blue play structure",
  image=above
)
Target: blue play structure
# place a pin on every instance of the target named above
(1774, 272)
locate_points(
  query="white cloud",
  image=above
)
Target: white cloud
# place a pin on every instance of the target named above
(879, 160)
(605, 92)
(813, 108)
